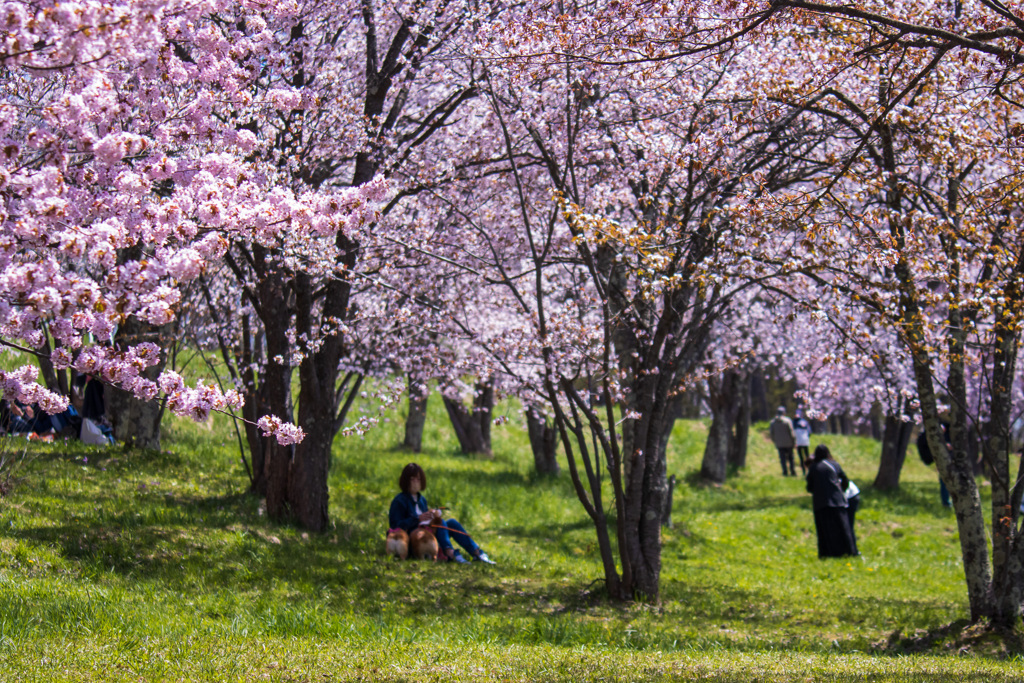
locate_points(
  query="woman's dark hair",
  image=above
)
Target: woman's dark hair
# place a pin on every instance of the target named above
(822, 453)
(410, 472)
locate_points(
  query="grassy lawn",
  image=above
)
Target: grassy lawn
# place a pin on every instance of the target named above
(129, 566)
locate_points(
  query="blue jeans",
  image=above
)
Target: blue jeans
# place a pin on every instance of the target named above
(944, 493)
(453, 528)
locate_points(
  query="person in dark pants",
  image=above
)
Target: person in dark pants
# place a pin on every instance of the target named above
(852, 505)
(925, 451)
(781, 429)
(826, 482)
(802, 432)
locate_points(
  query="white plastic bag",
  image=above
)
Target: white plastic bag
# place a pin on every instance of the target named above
(92, 434)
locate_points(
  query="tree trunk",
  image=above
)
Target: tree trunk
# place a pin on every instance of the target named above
(136, 422)
(845, 424)
(543, 441)
(677, 405)
(759, 411)
(647, 489)
(716, 450)
(875, 424)
(473, 425)
(274, 393)
(895, 439)
(255, 404)
(738, 447)
(417, 418)
(307, 480)
(691, 404)
(57, 382)
(724, 400)
(1007, 553)
(953, 464)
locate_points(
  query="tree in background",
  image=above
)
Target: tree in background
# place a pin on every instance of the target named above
(606, 276)
(920, 229)
(121, 182)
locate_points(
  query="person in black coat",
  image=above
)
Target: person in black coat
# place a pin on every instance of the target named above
(826, 482)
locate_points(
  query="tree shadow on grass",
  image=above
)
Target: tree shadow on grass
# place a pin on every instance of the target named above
(545, 533)
(748, 504)
(960, 637)
(205, 545)
(170, 537)
(910, 498)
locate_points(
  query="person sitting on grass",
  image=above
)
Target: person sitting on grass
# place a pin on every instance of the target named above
(409, 510)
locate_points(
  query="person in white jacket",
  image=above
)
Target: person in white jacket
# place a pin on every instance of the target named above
(802, 433)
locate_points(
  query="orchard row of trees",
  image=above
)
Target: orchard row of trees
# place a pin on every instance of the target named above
(590, 206)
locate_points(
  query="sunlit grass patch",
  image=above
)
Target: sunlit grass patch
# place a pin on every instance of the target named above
(128, 565)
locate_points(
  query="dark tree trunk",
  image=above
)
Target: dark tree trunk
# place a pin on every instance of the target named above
(876, 426)
(716, 450)
(677, 404)
(473, 425)
(724, 400)
(845, 425)
(55, 381)
(738, 447)
(1007, 544)
(647, 492)
(307, 480)
(417, 418)
(275, 391)
(255, 404)
(136, 422)
(895, 439)
(759, 411)
(543, 441)
(276, 466)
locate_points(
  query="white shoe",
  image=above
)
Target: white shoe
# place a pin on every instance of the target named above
(482, 557)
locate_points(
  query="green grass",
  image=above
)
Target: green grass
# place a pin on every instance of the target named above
(128, 566)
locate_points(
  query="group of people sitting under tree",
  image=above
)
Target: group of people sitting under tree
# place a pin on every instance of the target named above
(86, 403)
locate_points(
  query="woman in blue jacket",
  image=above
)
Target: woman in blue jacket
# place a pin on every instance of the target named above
(409, 510)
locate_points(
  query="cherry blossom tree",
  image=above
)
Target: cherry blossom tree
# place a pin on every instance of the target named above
(348, 93)
(592, 245)
(915, 221)
(919, 224)
(125, 176)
